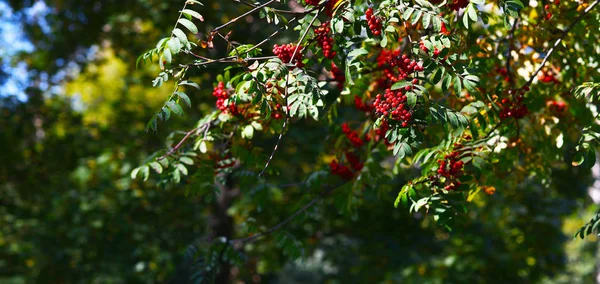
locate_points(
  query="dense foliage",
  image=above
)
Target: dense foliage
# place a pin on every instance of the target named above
(307, 123)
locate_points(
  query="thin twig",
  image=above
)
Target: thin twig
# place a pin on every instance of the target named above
(284, 222)
(278, 10)
(203, 127)
(564, 34)
(287, 116)
(511, 80)
(256, 8)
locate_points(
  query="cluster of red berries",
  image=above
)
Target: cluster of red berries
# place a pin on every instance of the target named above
(548, 77)
(338, 76)
(392, 106)
(547, 8)
(277, 113)
(352, 136)
(396, 67)
(444, 30)
(502, 71)
(362, 106)
(556, 106)
(329, 7)
(450, 168)
(381, 131)
(458, 4)
(285, 52)
(374, 22)
(344, 171)
(514, 108)
(222, 95)
(324, 40)
(436, 51)
(341, 170)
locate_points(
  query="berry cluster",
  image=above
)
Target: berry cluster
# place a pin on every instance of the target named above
(504, 73)
(436, 51)
(344, 171)
(392, 106)
(458, 4)
(380, 133)
(277, 113)
(556, 106)
(362, 106)
(450, 168)
(329, 5)
(444, 30)
(547, 8)
(396, 67)
(374, 22)
(341, 170)
(352, 135)
(548, 77)
(324, 40)
(285, 52)
(514, 108)
(222, 95)
(338, 76)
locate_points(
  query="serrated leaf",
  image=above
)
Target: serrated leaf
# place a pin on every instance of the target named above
(184, 98)
(157, 167)
(193, 14)
(472, 12)
(189, 83)
(182, 169)
(186, 160)
(407, 13)
(135, 172)
(174, 107)
(189, 25)
(174, 45)
(411, 99)
(400, 85)
(180, 35)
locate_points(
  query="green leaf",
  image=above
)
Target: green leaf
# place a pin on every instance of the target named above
(472, 12)
(457, 85)
(411, 99)
(400, 85)
(156, 167)
(189, 83)
(189, 25)
(182, 169)
(181, 36)
(248, 132)
(186, 160)
(193, 14)
(174, 45)
(407, 13)
(176, 108)
(185, 98)
(167, 55)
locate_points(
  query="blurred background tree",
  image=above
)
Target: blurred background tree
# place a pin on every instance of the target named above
(73, 110)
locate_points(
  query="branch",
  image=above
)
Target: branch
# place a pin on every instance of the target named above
(300, 13)
(256, 8)
(509, 55)
(203, 127)
(287, 117)
(564, 34)
(284, 222)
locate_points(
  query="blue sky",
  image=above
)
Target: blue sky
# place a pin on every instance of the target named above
(14, 42)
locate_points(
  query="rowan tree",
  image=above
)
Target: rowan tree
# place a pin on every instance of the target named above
(345, 99)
